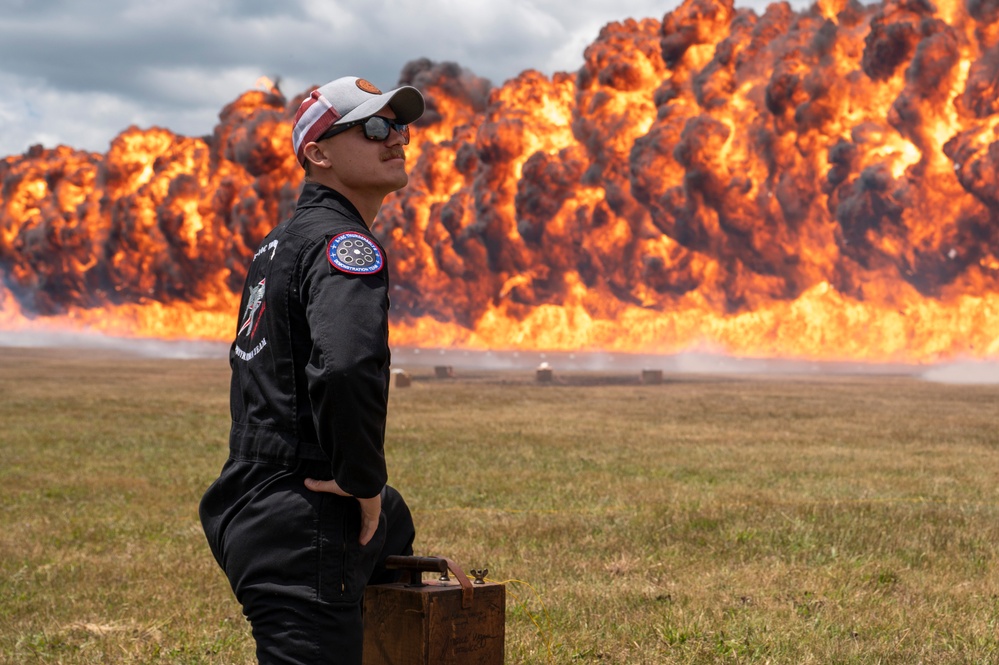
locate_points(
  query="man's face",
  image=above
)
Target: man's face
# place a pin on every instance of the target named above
(364, 165)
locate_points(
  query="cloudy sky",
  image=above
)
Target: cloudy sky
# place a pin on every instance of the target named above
(78, 72)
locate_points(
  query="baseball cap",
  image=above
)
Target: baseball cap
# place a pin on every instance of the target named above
(345, 100)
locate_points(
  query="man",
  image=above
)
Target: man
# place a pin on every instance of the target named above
(301, 516)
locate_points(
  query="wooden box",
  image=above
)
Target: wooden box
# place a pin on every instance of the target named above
(434, 623)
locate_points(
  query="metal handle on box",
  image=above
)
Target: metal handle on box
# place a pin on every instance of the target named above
(432, 564)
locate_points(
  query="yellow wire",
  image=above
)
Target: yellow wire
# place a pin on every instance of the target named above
(546, 635)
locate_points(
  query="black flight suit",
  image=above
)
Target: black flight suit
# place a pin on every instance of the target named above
(310, 378)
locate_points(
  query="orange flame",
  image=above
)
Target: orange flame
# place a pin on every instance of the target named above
(818, 184)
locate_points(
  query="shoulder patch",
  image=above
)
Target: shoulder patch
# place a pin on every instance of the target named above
(354, 254)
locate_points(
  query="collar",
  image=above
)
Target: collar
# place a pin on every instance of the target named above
(315, 195)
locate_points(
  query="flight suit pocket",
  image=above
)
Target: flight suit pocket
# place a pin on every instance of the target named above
(344, 565)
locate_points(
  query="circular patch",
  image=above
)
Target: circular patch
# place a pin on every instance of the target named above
(353, 253)
(368, 86)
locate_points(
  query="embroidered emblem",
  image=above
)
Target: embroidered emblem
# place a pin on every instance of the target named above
(272, 245)
(254, 309)
(353, 253)
(368, 86)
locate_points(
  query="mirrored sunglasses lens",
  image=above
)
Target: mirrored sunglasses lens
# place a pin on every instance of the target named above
(377, 129)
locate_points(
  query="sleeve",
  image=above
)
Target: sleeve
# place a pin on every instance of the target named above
(348, 371)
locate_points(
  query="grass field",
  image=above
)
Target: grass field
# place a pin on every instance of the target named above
(709, 519)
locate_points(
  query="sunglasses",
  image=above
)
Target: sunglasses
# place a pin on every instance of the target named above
(376, 128)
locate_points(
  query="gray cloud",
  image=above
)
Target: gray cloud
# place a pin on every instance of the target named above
(78, 72)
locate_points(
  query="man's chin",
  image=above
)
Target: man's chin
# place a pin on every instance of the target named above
(401, 180)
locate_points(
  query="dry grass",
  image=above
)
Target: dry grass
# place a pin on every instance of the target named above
(709, 519)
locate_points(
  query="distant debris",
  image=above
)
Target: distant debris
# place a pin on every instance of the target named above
(545, 373)
(400, 379)
(652, 377)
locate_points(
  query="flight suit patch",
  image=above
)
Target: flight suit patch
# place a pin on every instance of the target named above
(354, 254)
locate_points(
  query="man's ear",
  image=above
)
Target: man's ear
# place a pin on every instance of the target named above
(315, 154)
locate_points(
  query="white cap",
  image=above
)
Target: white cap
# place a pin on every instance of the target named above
(345, 100)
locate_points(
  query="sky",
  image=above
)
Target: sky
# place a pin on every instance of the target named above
(79, 72)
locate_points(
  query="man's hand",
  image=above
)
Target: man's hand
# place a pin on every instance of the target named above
(371, 509)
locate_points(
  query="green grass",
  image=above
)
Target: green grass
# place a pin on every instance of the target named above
(709, 519)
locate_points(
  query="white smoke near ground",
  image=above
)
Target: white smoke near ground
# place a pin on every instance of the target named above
(146, 348)
(964, 372)
(960, 372)
(972, 372)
